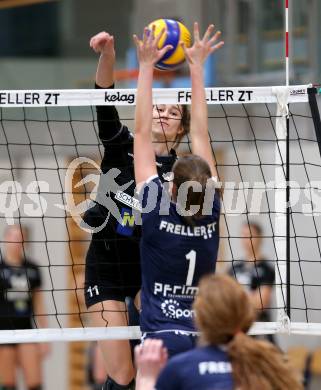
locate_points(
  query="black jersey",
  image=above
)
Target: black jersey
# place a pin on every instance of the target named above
(253, 276)
(17, 284)
(112, 263)
(117, 179)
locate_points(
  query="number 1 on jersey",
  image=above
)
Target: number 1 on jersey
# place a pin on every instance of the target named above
(191, 256)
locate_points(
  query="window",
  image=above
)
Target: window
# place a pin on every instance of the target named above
(29, 31)
(272, 15)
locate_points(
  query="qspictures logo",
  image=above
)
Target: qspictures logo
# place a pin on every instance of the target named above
(238, 198)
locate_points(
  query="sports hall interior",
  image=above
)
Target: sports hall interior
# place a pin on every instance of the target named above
(45, 45)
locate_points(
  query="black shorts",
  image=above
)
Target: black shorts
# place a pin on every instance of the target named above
(13, 323)
(112, 269)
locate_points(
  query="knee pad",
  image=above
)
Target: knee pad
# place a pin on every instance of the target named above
(3, 387)
(110, 384)
(39, 387)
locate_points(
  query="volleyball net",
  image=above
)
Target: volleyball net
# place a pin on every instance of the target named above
(266, 142)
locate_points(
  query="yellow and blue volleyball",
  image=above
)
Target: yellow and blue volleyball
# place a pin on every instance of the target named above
(175, 32)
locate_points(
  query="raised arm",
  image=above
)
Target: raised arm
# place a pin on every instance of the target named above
(111, 131)
(196, 57)
(148, 54)
(103, 43)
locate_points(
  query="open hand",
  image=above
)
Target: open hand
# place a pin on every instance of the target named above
(202, 48)
(147, 50)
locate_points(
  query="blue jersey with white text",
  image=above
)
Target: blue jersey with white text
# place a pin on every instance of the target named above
(206, 368)
(174, 256)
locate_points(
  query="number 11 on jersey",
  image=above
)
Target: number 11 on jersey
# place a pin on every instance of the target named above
(91, 290)
(191, 257)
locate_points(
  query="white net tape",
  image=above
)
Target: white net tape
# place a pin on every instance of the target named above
(127, 97)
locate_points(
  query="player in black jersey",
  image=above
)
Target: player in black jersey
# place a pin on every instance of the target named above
(227, 358)
(20, 298)
(113, 259)
(180, 232)
(255, 272)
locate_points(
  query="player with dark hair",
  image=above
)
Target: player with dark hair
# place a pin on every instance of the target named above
(255, 272)
(113, 260)
(180, 232)
(227, 358)
(20, 301)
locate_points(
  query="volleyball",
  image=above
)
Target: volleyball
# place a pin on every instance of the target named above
(175, 32)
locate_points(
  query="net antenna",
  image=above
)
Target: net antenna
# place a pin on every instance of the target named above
(287, 62)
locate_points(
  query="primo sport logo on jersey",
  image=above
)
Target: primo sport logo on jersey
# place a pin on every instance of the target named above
(171, 309)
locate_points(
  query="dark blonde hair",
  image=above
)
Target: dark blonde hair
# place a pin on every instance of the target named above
(224, 313)
(192, 168)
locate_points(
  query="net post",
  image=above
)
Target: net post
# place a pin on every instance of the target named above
(312, 92)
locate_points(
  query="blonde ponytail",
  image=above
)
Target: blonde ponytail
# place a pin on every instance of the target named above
(224, 313)
(258, 364)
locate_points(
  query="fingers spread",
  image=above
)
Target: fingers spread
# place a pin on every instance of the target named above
(151, 34)
(214, 38)
(136, 40)
(186, 51)
(146, 34)
(208, 32)
(159, 36)
(196, 32)
(216, 47)
(165, 49)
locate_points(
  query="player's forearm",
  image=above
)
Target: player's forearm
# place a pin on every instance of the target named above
(105, 71)
(145, 383)
(144, 100)
(199, 106)
(199, 136)
(144, 155)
